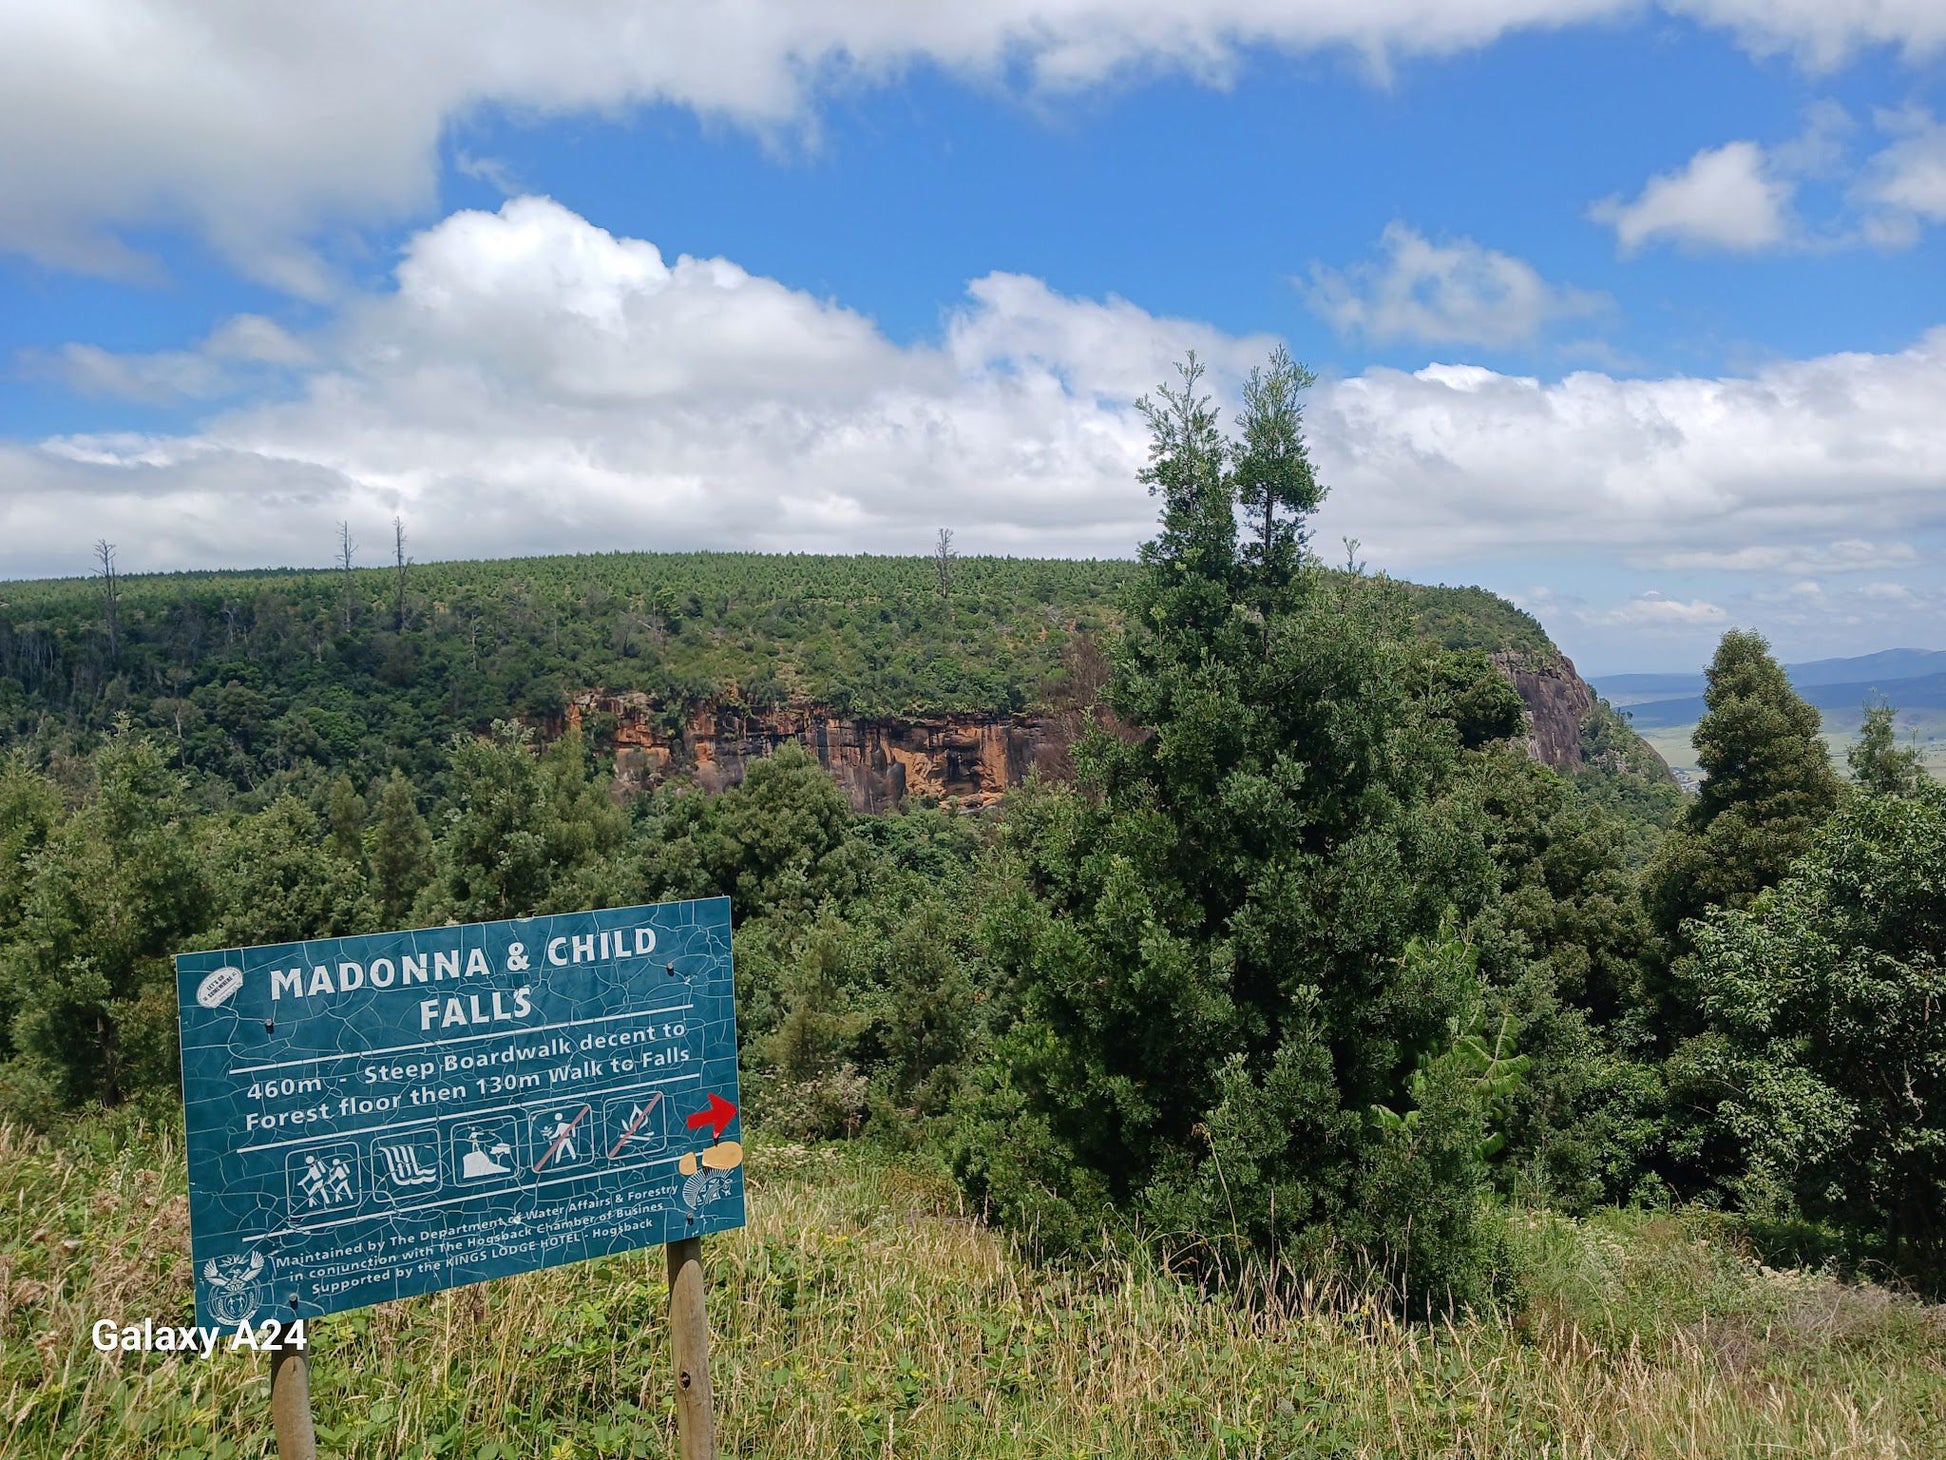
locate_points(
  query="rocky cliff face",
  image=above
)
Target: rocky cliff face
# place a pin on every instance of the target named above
(1558, 701)
(967, 761)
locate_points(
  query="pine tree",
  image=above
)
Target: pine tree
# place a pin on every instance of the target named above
(1275, 483)
(401, 850)
(1211, 952)
(345, 816)
(1769, 786)
(1879, 764)
(1196, 549)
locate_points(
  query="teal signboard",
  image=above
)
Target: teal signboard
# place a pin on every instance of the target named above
(391, 1114)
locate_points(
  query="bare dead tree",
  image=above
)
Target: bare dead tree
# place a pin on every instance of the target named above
(943, 560)
(346, 548)
(398, 552)
(111, 595)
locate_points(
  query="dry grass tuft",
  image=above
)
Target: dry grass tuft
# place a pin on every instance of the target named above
(862, 1313)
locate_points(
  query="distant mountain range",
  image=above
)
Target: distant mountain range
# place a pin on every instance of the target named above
(1909, 679)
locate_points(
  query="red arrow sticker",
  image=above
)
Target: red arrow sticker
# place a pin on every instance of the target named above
(716, 1115)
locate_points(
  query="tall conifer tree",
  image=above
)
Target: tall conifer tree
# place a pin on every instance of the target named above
(345, 816)
(401, 850)
(1878, 763)
(1235, 948)
(1769, 785)
(1275, 483)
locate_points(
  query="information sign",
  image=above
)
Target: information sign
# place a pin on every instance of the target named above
(395, 1113)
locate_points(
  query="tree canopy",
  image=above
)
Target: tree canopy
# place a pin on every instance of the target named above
(1825, 1002)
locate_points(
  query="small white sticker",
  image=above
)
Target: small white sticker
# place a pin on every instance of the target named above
(219, 987)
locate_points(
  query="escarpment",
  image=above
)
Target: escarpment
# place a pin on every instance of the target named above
(963, 760)
(967, 760)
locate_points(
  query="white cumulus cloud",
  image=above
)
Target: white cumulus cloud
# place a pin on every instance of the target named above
(258, 126)
(1744, 197)
(1454, 292)
(1904, 185)
(1725, 197)
(1652, 610)
(534, 383)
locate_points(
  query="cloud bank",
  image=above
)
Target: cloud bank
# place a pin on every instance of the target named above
(1801, 454)
(255, 126)
(533, 383)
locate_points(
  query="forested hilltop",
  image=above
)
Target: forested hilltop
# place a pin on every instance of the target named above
(468, 642)
(264, 679)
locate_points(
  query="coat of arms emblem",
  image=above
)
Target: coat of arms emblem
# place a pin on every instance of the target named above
(237, 1282)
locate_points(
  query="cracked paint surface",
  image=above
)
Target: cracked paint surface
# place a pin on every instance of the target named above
(395, 1113)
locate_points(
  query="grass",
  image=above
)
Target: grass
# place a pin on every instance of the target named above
(1926, 729)
(862, 1313)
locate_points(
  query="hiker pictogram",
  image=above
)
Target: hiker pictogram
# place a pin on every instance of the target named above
(486, 1149)
(560, 1138)
(322, 1179)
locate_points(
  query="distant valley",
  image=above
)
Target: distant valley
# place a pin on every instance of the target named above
(1664, 708)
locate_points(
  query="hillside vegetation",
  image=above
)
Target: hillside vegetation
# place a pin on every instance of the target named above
(255, 677)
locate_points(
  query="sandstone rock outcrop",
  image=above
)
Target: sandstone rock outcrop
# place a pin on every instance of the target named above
(968, 761)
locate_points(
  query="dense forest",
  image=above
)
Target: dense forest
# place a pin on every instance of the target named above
(258, 680)
(1308, 965)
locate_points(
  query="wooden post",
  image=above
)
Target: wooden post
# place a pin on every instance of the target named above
(290, 1403)
(689, 1335)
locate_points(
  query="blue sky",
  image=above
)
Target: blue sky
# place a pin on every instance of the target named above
(1636, 318)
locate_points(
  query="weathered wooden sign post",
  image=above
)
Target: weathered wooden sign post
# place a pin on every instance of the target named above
(374, 1117)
